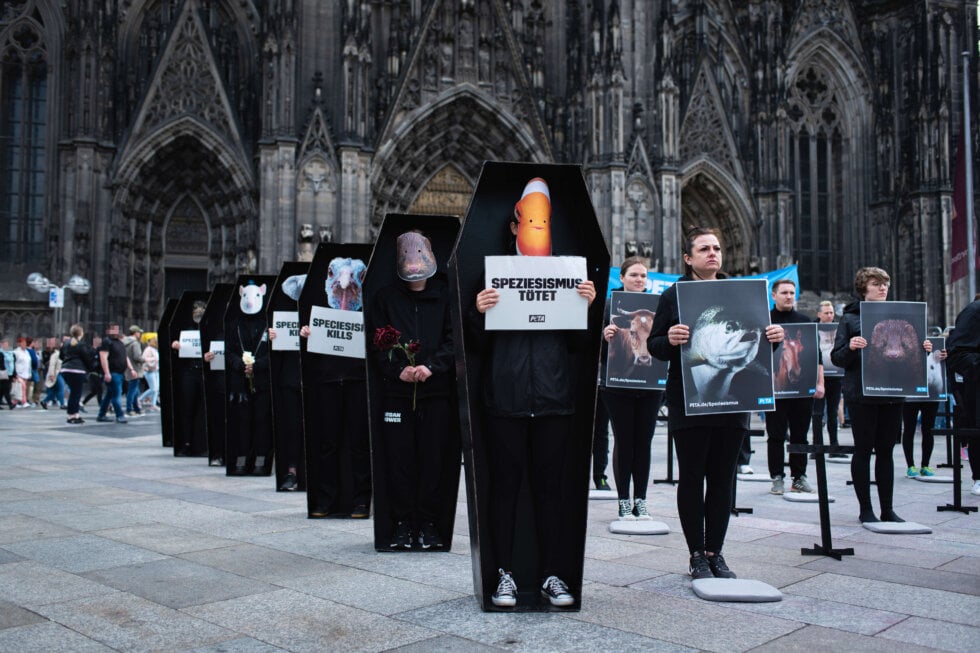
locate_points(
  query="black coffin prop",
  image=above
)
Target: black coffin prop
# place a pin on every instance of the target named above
(213, 333)
(574, 231)
(338, 453)
(248, 411)
(442, 232)
(287, 389)
(190, 431)
(166, 373)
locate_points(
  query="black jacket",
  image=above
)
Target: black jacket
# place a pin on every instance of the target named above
(247, 334)
(79, 357)
(667, 316)
(850, 360)
(421, 316)
(963, 348)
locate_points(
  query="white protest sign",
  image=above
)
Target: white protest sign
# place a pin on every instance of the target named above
(286, 324)
(190, 344)
(218, 349)
(337, 333)
(537, 293)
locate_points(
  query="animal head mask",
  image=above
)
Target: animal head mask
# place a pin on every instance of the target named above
(251, 294)
(533, 213)
(414, 258)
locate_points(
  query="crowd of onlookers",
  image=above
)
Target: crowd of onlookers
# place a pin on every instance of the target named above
(67, 372)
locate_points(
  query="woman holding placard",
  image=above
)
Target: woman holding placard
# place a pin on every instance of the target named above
(874, 420)
(633, 413)
(707, 445)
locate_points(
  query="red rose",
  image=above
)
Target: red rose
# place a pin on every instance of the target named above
(414, 347)
(386, 337)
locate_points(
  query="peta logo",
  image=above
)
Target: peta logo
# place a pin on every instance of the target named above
(536, 319)
(765, 401)
(393, 418)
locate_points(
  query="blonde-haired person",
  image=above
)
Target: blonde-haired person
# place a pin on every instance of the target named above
(151, 372)
(875, 421)
(77, 359)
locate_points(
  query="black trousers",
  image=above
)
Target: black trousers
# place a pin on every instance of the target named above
(874, 427)
(600, 442)
(344, 410)
(75, 382)
(5, 391)
(538, 445)
(253, 436)
(706, 457)
(414, 444)
(911, 410)
(289, 425)
(633, 422)
(190, 435)
(827, 405)
(792, 414)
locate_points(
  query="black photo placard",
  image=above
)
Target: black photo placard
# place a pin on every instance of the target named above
(629, 364)
(795, 362)
(826, 333)
(893, 364)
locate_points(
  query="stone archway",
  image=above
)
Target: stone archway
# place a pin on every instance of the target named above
(707, 202)
(448, 192)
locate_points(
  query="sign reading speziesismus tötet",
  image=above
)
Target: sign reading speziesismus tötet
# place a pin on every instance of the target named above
(190, 344)
(537, 293)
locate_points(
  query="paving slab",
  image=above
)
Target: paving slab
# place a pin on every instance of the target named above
(950, 581)
(32, 585)
(817, 638)
(261, 563)
(237, 645)
(935, 634)
(531, 632)
(48, 636)
(81, 553)
(12, 615)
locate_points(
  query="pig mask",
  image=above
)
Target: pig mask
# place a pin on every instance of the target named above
(414, 258)
(251, 302)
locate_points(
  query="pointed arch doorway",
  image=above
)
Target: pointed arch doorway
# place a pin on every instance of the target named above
(186, 248)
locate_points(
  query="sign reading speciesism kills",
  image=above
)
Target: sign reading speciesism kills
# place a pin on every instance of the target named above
(286, 324)
(336, 333)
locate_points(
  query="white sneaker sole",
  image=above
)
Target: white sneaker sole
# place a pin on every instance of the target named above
(559, 602)
(504, 602)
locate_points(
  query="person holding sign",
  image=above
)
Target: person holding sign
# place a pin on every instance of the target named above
(633, 413)
(875, 421)
(707, 445)
(829, 403)
(413, 347)
(529, 401)
(791, 414)
(188, 382)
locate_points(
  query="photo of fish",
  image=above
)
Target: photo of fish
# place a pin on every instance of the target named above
(827, 333)
(894, 362)
(629, 363)
(727, 363)
(795, 362)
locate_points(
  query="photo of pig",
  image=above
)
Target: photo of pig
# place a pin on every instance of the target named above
(894, 362)
(629, 363)
(936, 370)
(727, 366)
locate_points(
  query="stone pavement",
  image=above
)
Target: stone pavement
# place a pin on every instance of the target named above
(109, 543)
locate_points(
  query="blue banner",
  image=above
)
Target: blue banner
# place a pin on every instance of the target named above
(657, 282)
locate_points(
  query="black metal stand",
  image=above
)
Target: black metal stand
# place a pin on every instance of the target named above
(735, 509)
(952, 459)
(826, 546)
(959, 437)
(670, 457)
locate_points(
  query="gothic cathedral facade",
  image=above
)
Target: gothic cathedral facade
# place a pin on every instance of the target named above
(153, 146)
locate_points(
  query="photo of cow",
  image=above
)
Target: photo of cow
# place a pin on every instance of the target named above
(629, 363)
(894, 362)
(936, 370)
(795, 362)
(826, 333)
(727, 362)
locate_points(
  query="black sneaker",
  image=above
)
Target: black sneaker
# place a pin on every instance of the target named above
(360, 511)
(602, 484)
(506, 594)
(699, 567)
(555, 590)
(103, 418)
(402, 537)
(429, 536)
(289, 483)
(718, 567)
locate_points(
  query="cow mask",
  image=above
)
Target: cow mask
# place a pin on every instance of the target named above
(415, 260)
(251, 302)
(533, 213)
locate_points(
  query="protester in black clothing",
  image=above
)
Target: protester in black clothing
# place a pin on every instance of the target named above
(830, 401)
(633, 414)
(875, 421)
(707, 445)
(190, 437)
(794, 414)
(528, 397)
(77, 362)
(913, 409)
(249, 385)
(963, 348)
(417, 382)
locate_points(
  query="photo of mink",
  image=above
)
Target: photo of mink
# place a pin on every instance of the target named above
(894, 363)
